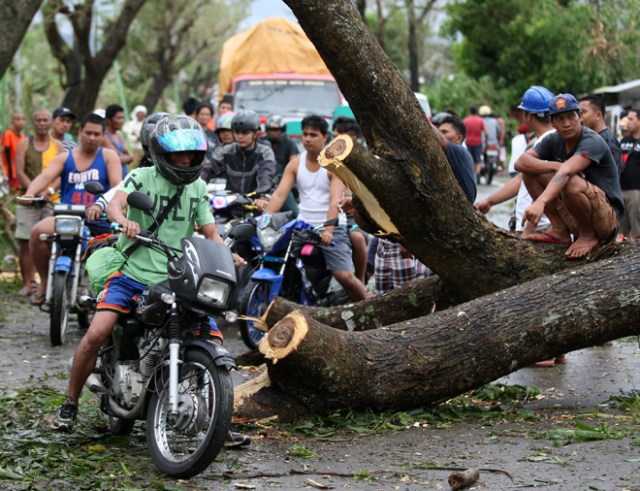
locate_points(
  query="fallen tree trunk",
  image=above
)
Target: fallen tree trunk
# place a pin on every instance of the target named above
(431, 359)
(415, 299)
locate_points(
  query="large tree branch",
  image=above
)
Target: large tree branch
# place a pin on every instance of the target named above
(59, 48)
(15, 17)
(117, 34)
(434, 358)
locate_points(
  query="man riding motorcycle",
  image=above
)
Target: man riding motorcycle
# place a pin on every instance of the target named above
(177, 148)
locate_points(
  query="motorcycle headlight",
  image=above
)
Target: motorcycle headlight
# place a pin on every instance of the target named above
(268, 237)
(213, 291)
(68, 225)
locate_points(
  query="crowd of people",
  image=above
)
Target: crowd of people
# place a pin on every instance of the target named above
(574, 182)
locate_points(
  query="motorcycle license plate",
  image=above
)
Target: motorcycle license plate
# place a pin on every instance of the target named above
(492, 153)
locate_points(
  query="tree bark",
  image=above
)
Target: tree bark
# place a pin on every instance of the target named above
(15, 17)
(412, 46)
(431, 359)
(415, 299)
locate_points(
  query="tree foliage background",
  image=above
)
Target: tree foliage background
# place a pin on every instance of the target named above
(567, 45)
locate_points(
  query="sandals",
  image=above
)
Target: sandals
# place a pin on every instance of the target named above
(30, 290)
(37, 298)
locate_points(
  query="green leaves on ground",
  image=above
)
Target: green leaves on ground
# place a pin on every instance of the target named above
(482, 403)
(586, 433)
(32, 456)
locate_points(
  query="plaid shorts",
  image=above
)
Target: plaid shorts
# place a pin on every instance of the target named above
(392, 270)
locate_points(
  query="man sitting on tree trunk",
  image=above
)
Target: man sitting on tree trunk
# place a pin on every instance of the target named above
(580, 192)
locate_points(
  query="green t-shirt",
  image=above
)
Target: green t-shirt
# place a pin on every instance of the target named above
(146, 265)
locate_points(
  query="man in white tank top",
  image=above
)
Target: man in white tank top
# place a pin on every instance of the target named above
(320, 192)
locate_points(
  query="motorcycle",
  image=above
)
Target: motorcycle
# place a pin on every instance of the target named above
(233, 212)
(301, 277)
(154, 367)
(67, 282)
(490, 166)
(229, 208)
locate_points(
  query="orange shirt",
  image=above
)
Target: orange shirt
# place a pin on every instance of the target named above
(10, 142)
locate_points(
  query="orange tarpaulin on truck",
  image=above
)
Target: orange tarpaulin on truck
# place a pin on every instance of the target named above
(273, 45)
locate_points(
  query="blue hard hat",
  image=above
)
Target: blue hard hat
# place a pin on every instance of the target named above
(536, 99)
(563, 103)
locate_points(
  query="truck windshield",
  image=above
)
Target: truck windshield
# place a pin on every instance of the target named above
(287, 97)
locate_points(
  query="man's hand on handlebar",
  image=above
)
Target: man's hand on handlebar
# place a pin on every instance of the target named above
(239, 260)
(327, 237)
(261, 203)
(130, 229)
(93, 213)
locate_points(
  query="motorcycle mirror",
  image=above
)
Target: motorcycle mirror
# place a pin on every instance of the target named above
(94, 187)
(140, 201)
(242, 231)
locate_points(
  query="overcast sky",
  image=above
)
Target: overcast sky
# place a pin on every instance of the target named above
(261, 9)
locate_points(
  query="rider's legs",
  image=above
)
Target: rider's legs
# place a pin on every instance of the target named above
(352, 285)
(40, 250)
(116, 298)
(339, 261)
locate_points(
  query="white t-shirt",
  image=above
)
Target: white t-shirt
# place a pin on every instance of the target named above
(524, 198)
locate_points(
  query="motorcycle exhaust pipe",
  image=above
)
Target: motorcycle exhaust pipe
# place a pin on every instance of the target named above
(96, 386)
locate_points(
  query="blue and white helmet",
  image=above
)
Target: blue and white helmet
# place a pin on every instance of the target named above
(174, 134)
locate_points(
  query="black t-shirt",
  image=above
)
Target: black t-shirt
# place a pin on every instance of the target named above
(283, 149)
(614, 145)
(462, 166)
(630, 176)
(602, 171)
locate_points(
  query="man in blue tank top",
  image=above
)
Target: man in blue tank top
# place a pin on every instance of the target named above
(88, 162)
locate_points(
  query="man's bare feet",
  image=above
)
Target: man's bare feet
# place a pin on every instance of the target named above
(582, 247)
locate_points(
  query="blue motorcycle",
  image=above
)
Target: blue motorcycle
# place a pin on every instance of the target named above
(68, 281)
(300, 276)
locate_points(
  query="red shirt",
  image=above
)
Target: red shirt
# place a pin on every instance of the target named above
(475, 127)
(10, 141)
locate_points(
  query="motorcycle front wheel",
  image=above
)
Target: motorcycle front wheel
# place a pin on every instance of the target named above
(253, 303)
(59, 308)
(184, 444)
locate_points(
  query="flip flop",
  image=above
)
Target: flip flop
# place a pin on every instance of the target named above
(31, 289)
(37, 298)
(547, 238)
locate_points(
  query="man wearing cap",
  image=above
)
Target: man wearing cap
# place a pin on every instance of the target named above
(578, 189)
(535, 107)
(63, 119)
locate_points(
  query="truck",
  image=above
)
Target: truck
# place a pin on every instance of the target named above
(273, 68)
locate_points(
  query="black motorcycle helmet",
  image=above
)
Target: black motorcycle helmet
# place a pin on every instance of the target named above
(178, 134)
(148, 125)
(275, 122)
(245, 121)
